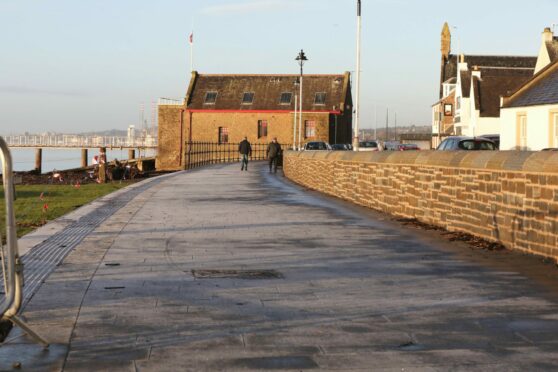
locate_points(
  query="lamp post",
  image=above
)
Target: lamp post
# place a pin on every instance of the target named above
(301, 58)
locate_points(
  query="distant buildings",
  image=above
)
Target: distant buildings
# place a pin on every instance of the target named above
(222, 109)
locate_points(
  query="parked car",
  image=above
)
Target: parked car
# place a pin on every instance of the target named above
(317, 146)
(494, 138)
(391, 145)
(340, 147)
(370, 146)
(408, 147)
(466, 143)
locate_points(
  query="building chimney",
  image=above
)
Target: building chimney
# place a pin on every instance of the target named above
(547, 35)
(446, 42)
(476, 71)
(462, 65)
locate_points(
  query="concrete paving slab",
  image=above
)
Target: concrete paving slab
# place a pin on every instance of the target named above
(356, 291)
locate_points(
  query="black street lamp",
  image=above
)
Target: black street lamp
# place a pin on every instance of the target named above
(301, 58)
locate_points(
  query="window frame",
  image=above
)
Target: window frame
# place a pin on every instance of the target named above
(261, 128)
(290, 98)
(223, 135)
(251, 95)
(553, 130)
(309, 129)
(523, 131)
(316, 98)
(205, 102)
(446, 112)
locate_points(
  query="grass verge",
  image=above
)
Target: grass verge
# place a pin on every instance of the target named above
(35, 205)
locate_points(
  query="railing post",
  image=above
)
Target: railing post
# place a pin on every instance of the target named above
(103, 165)
(84, 158)
(39, 160)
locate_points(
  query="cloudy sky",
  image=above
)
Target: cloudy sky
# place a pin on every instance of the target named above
(73, 66)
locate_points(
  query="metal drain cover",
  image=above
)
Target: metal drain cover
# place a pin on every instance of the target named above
(236, 274)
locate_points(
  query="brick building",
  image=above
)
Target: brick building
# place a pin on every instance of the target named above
(225, 108)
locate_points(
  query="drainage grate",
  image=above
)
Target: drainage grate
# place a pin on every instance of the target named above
(236, 274)
(44, 257)
(279, 362)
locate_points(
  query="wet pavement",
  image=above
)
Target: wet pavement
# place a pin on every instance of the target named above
(218, 269)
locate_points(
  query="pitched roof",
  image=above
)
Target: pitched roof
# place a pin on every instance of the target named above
(449, 69)
(494, 83)
(552, 49)
(267, 91)
(542, 89)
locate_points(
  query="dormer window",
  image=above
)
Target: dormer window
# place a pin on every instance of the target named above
(210, 98)
(286, 98)
(320, 99)
(248, 98)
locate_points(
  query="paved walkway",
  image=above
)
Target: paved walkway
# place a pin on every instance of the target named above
(221, 270)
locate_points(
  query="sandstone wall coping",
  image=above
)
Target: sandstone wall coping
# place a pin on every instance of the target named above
(509, 161)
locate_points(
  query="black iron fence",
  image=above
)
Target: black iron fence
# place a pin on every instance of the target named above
(199, 154)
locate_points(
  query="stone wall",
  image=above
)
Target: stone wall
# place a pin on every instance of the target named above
(169, 149)
(504, 196)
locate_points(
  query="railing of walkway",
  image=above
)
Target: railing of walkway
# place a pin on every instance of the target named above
(199, 154)
(12, 267)
(79, 141)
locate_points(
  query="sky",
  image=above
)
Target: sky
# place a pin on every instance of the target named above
(75, 66)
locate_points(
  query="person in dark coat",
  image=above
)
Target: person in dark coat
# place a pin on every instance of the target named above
(245, 150)
(273, 153)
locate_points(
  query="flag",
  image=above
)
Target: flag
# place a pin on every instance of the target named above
(191, 38)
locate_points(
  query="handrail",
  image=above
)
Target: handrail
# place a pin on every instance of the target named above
(12, 266)
(81, 141)
(8, 259)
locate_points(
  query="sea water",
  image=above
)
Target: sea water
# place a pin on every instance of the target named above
(61, 159)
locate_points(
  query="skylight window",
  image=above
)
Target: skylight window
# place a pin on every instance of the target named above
(247, 98)
(286, 98)
(210, 98)
(320, 99)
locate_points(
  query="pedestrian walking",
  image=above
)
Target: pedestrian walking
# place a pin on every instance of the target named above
(245, 150)
(273, 154)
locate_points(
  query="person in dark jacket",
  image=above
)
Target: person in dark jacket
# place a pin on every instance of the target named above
(273, 153)
(245, 150)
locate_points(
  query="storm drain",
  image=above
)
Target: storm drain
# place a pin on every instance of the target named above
(236, 274)
(279, 362)
(44, 257)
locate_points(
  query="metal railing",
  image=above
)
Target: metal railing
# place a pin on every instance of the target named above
(12, 267)
(78, 141)
(205, 153)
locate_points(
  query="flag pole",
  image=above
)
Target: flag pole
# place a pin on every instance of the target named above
(191, 40)
(357, 87)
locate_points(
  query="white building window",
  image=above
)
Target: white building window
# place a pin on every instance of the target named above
(523, 131)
